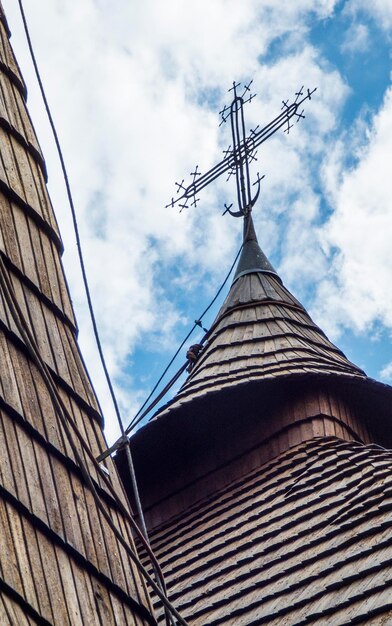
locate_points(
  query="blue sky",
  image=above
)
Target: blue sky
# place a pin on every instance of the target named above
(135, 90)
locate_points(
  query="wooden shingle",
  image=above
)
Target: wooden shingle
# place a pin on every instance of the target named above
(271, 504)
(261, 332)
(305, 539)
(60, 563)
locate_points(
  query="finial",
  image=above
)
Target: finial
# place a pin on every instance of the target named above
(238, 158)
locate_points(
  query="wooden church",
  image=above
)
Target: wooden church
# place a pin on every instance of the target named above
(266, 482)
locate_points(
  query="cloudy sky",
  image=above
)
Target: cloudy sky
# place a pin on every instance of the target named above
(135, 90)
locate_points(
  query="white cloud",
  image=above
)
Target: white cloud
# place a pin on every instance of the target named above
(130, 88)
(378, 10)
(356, 39)
(386, 373)
(357, 290)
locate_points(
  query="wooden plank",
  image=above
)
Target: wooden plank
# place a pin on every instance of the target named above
(8, 108)
(72, 531)
(7, 615)
(69, 589)
(5, 316)
(120, 614)
(6, 474)
(26, 179)
(32, 473)
(40, 191)
(20, 297)
(65, 297)
(12, 177)
(9, 565)
(25, 122)
(54, 431)
(84, 521)
(98, 534)
(8, 231)
(123, 572)
(50, 490)
(54, 335)
(84, 590)
(13, 614)
(92, 437)
(89, 394)
(103, 604)
(137, 581)
(34, 315)
(7, 55)
(27, 256)
(21, 539)
(75, 379)
(48, 252)
(71, 406)
(21, 489)
(8, 380)
(51, 574)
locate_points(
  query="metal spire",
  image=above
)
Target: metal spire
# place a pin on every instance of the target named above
(252, 257)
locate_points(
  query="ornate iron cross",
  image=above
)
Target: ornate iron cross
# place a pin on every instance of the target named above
(237, 158)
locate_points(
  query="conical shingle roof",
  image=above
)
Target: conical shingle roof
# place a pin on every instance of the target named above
(260, 333)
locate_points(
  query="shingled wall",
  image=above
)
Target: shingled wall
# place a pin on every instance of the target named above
(59, 561)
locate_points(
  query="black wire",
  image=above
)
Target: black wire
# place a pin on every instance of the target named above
(66, 420)
(160, 593)
(82, 265)
(81, 258)
(197, 323)
(74, 219)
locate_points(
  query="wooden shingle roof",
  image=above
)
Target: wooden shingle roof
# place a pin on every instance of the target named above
(304, 539)
(60, 563)
(271, 505)
(261, 333)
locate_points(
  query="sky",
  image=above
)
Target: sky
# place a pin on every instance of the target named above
(135, 90)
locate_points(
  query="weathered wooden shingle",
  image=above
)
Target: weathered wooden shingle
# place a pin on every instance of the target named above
(260, 333)
(259, 521)
(60, 563)
(305, 539)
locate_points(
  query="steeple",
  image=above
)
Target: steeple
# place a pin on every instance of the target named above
(61, 561)
(265, 496)
(261, 334)
(266, 379)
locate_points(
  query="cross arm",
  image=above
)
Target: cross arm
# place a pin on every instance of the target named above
(189, 192)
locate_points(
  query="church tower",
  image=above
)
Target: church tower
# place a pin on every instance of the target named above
(267, 480)
(62, 561)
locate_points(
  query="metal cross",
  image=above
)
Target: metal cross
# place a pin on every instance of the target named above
(237, 159)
